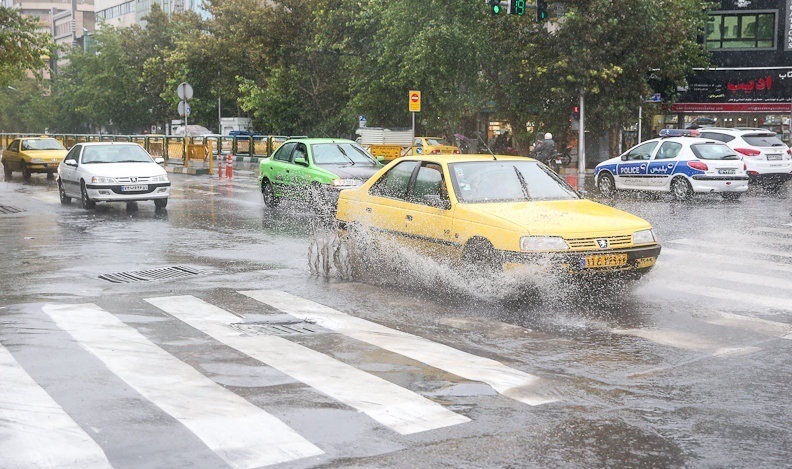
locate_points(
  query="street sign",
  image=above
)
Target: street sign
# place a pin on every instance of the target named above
(655, 98)
(415, 101)
(184, 90)
(184, 108)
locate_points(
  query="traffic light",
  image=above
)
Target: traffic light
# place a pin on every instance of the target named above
(498, 6)
(576, 113)
(517, 7)
(541, 11)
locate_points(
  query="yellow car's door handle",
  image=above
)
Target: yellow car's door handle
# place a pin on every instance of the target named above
(368, 209)
(408, 217)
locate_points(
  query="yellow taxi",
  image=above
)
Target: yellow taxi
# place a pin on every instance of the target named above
(488, 213)
(32, 155)
(433, 146)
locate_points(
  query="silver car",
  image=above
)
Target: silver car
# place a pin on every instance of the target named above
(112, 172)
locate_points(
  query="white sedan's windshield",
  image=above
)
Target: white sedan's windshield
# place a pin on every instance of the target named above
(507, 181)
(340, 153)
(115, 154)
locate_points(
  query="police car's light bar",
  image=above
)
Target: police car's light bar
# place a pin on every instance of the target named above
(679, 133)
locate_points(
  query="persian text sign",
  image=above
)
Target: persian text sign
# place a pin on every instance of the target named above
(788, 26)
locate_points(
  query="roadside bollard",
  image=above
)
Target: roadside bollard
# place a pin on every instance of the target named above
(220, 164)
(229, 166)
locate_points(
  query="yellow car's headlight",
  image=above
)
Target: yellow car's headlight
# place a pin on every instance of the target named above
(102, 180)
(543, 243)
(644, 237)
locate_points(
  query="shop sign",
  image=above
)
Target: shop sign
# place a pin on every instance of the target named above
(767, 85)
(788, 26)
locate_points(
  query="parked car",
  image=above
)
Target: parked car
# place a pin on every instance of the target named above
(433, 146)
(314, 170)
(679, 162)
(112, 172)
(487, 213)
(32, 155)
(767, 158)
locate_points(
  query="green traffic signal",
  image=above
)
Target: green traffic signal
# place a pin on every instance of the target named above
(495, 7)
(541, 11)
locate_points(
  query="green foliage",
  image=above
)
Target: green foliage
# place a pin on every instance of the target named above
(311, 66)
(23, 48)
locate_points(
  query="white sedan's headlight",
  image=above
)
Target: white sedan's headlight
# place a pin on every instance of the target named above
(347, 182)
(160, 178)
(102, 180)
(644, 237)
(543, 243)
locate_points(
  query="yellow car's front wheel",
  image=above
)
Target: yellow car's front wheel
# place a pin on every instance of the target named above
(480, 257)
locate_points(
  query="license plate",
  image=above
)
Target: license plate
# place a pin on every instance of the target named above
(134, 188)
(603, 260)
(773, 157)
(727, 171)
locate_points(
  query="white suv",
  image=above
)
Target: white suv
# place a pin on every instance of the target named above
(767, 159)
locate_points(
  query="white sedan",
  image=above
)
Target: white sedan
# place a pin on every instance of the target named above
(112, 172)
(680, 163)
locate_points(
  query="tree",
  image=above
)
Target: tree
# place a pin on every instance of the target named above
(22, 48)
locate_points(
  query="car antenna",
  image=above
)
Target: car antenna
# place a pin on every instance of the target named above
(478, 135)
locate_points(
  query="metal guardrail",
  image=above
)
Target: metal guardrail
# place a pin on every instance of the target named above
(173, 147)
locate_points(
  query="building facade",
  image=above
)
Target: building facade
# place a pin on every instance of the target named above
(749, 82)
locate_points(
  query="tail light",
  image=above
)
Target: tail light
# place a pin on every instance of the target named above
(698, 165)
(456, 152)
(745, 166)
(789, 151)
(748, 151)
(435, 152)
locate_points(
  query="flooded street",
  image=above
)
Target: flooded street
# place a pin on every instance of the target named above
(217, 333)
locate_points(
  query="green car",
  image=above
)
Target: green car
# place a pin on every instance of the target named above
(314, 170)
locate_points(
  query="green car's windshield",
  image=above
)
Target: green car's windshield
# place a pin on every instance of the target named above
(115, 154)
(340, 153)
(42, 144)
(507, 181)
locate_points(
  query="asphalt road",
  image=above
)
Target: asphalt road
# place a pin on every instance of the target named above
(240, 349)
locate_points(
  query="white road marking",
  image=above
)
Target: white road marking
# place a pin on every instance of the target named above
(724, 259)
(764, 301)
(395, 407)
(742, 249)
(762, 326)
(34, 430)
(238, 431)
(703, 275)
(766, 229)
(508, 381)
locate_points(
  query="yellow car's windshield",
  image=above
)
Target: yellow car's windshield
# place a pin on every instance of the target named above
(42, 144)
(507, 181)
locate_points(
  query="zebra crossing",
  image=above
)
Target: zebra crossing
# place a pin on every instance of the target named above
(35, 431)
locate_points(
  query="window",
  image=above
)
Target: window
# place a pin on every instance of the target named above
(717, 136)
(641, 152)
(284, 152)
(668, 150)
(713, 151)
(14, 146)
(73, 153)
(741, 30)
(394, 183)
(428, 181)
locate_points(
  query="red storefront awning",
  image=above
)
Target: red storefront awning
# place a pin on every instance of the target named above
(732, 107)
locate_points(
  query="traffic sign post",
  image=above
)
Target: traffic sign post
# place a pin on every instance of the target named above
(414, 103)
(185, 92)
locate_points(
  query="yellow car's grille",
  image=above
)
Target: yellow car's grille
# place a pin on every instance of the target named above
(613, 242)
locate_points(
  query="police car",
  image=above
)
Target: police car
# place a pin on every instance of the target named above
(679, 162)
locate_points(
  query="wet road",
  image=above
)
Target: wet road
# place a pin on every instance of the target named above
(233, 353)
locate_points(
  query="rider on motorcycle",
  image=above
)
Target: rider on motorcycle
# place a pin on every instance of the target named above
(545, 149)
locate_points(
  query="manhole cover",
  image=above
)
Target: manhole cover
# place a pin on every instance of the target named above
(7, 210)
(278, 328)
(162, 273)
